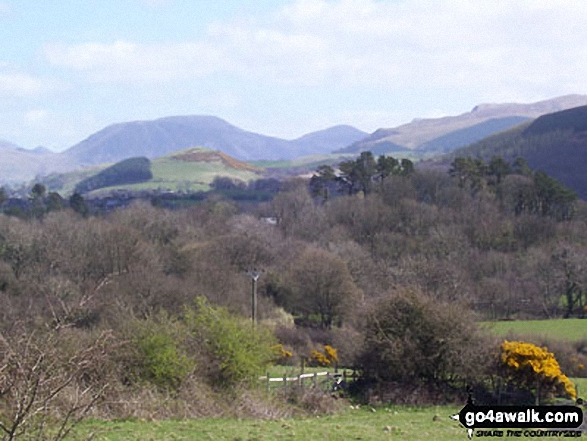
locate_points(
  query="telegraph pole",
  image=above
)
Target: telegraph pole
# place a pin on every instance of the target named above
(254, 274)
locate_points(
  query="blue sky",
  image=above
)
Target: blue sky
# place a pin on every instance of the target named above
(71, 67)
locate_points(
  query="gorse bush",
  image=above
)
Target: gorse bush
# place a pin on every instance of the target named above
(281, 354)
(534, 368)
(328, 357)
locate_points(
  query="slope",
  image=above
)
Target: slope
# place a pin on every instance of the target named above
(18, 164)
(555, 143)
(191, 169)
(422, 131)
(163, 136)
(469, 135)
(327, 140)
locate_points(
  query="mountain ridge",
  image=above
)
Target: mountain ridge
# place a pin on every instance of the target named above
(154, 138)
(555, 143)
(420, 131)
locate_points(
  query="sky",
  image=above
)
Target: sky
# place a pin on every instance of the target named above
(69, 68)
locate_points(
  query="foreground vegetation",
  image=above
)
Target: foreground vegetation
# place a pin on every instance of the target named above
(145, 313)
(365, 423)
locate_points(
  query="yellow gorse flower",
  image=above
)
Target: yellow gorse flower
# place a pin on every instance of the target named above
(532, 363)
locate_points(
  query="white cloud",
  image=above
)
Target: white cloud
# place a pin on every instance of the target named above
(36, 115)
(20, 85)
(494, 46)
(127, 62)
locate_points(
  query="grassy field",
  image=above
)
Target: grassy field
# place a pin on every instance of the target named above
(366, 423)
(172, 172)
(559, 329)
(169, 174)
(353, 424)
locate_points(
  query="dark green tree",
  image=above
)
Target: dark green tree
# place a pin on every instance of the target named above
(553, 198)
(37, 197)
(468, 172)
(521, 167)
(38, 191)
(407, 167)
(499, 168)
(54, 202)
(387, 166)
(78, 204)
(321, 181)
(3, 197)
(358, 175)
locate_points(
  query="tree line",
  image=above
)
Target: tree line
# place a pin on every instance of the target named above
(163, 297)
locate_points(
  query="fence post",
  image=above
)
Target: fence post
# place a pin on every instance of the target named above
(315, 379)
(284, 381)
(268, 381)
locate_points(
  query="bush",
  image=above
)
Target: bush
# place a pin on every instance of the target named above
(328, 357)
(233, 351)
(412, 339)
(48, 382)
(160, 359)
(534, 368)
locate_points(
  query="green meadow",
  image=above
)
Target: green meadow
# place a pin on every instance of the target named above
(365, 423)
(558, 329)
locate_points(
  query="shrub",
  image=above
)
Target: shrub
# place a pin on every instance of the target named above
(234, 352)
(47, 382)
(160, 359)
(410, 338)
(328, 357)
(534, 368)
(281, 355)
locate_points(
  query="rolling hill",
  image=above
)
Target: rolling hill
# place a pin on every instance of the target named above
(163, 136)
(153, 139)
(555, 143)
(457, 131)
(326, 141)
(18, 164)
(191, 169)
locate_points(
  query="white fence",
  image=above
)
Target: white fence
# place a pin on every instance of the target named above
(336, 378)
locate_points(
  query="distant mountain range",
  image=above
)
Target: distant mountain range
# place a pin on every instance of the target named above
(451, 132)
(153, 139)
(555, 143)
(19, 165)
(156, 138)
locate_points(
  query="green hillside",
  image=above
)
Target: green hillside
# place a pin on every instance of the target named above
(127, 172)
(186, 170)
(469, 135)
(555, 144)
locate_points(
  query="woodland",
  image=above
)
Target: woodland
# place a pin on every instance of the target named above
(145, 312)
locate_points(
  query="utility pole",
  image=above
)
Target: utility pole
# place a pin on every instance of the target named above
(254, 274)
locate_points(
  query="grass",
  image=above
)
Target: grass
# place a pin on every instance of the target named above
(365, 423)
(353, 424)
(170, 174)
(291, 371)
(581, 384)
(559, 329)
